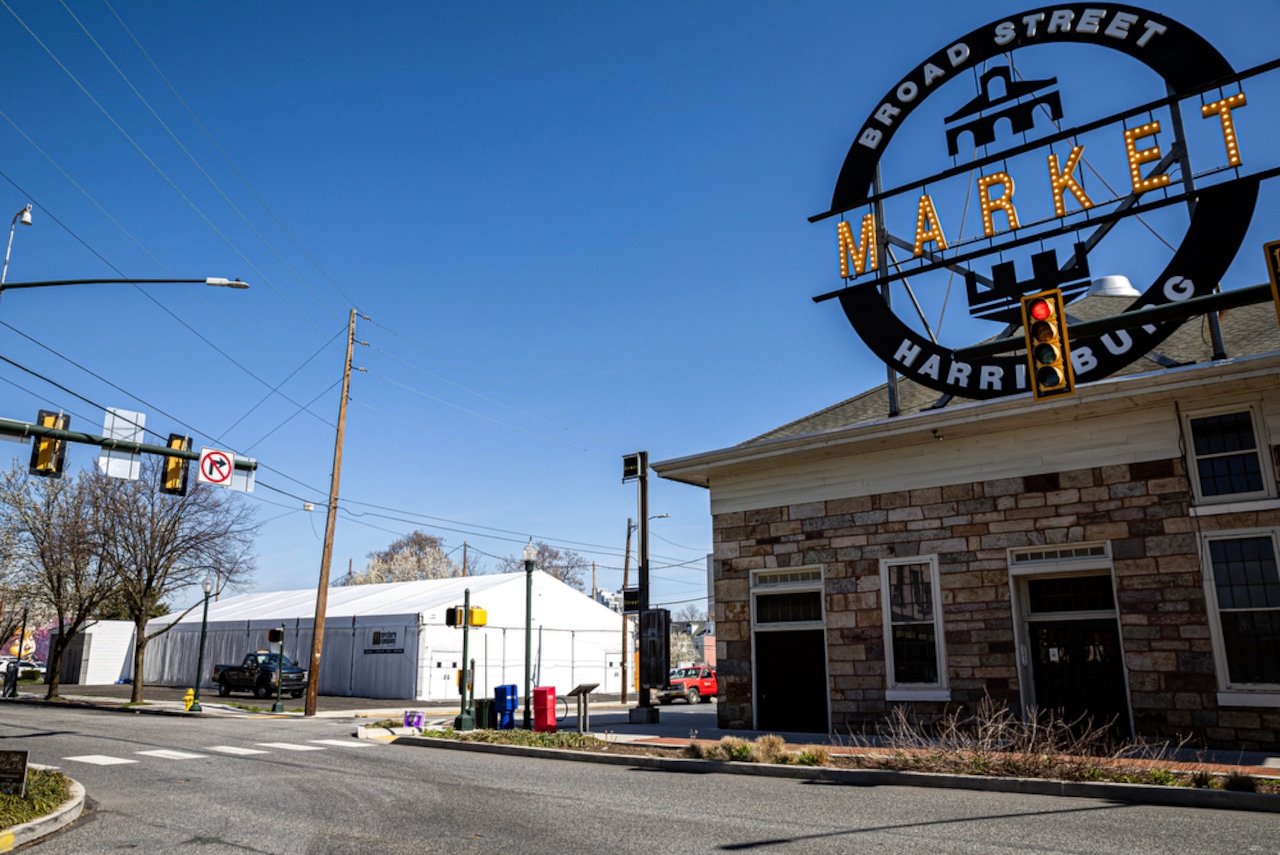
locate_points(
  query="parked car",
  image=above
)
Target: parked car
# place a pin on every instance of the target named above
(257, 674)
(25, 666)
(696, 685)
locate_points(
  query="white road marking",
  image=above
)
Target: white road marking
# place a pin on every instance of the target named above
(235, 749)
(168, 754)
(289, 746)
(100, 760)
(341, 743)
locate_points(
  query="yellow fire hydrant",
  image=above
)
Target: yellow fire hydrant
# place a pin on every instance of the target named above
(189, 698)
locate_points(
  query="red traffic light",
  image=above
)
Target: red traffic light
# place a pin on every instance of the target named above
(1048, 353)
(1040, 309)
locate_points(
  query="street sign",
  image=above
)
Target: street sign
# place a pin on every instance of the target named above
(123, 425)
(630, 467)
(630, 600)
(1273, 268)
(216, 467)
(13, 773)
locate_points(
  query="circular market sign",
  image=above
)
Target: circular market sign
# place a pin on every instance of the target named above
(1041, 151)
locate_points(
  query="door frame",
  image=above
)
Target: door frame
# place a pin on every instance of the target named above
(789, 580)
(1059, 562)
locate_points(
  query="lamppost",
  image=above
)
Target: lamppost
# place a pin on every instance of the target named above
(24, 217)
(530, 553)
(207, 587)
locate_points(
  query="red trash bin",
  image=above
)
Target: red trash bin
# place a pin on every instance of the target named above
(544, 709)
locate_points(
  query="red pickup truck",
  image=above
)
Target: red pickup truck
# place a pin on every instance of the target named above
(696, 685)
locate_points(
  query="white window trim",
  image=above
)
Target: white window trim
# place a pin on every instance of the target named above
(806, 586)
(1260, 437)
(1234, 693)
(895, 691)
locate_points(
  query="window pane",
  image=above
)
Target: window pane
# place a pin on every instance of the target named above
(910, 593)
(1082, 593)
(915, 654)
(789, 608)
(1222, 476)
(1244, 573)
(1252, 641)
(1223, 434)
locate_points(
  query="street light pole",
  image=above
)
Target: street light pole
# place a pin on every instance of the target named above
(530, 553)
(24, 217)
(207, 587)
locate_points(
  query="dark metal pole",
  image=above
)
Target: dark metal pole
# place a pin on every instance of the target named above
(626, 622)
(528, 630)
(643, 563)
(278, 706)
(204, 625)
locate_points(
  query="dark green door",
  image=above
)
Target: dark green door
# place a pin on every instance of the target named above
(1079, 672)
(791, 681)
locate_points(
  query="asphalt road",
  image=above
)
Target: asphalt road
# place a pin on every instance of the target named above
(159, 784)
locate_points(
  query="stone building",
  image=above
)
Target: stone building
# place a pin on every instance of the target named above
(1112, 553)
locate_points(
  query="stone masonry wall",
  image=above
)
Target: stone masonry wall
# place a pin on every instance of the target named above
(1141, 509)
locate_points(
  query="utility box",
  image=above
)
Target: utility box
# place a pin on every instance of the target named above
(505, 701)
(544, 709)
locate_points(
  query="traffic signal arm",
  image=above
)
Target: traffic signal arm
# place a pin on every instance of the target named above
(9, 427)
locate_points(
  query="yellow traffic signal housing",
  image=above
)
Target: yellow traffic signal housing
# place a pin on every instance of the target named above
(453, 616)
(174, 479)
(479, 616)
(49, 455)
(1048, 352)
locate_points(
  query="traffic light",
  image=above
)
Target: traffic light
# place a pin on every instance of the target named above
(49, 455)
(453, 616)
(174, 480)
(1048, 352)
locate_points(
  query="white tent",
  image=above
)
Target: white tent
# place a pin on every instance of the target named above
(391, 641)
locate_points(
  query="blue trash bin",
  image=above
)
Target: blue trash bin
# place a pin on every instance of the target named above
(506, 700)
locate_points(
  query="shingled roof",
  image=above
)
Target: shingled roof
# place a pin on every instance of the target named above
(1245, 331)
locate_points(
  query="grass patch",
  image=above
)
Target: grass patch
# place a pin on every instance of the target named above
(46, 789)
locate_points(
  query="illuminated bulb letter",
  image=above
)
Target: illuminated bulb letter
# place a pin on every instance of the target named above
(1137, 157)
(1066, 180)
(1223, 108)
(927, 227)
(864, 255)
(1003, 202)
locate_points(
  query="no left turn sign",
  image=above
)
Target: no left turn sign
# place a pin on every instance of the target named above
(216, 467)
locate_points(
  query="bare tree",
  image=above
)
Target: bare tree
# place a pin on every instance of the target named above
(55, 543)
(567, 566)
(415, 556)
(157, 544)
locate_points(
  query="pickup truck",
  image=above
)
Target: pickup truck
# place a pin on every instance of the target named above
(257, 674)
(695, 685)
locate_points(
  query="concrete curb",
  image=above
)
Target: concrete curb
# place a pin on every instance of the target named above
(384, 732)
(1143, 794)
(66, 813)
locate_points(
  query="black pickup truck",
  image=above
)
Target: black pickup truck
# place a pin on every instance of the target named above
(257, 674)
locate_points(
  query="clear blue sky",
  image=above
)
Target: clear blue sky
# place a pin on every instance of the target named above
(578, 230)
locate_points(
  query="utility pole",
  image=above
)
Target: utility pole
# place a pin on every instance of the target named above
(464, 559)
(322, 593)
(626, 621)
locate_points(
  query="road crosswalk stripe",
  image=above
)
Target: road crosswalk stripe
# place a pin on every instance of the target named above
(289, 746)
(342, 743)
(167, 754)
(99, 760)
(235, 749)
